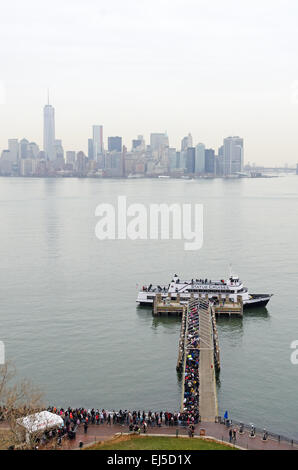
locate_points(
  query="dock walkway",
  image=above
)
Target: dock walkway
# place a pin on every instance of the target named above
(208, 396)
(199, 342)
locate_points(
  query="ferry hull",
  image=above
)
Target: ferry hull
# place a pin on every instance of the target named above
(260, 300)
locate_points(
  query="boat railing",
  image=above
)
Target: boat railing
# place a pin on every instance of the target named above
(155, 288)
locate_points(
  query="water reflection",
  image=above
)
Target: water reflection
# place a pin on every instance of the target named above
(52, 223)
(233, 325)
(259, 312)
(167, 322)
(144, 311)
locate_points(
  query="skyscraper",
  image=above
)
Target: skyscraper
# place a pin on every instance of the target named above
(13, 146)
(219, 162)
(200, 159)
(233, 155)
(90, 149)
(186, 142)
(172, 158)
(59, 152)
(138, 144)
(97, 141)
(33, 150)
(24, 148)
(210, 161)
(190, 159)
(115, 144)
(70, 157)
(49, 131)
(158, 143)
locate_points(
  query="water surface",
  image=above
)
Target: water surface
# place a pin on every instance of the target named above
(68, 314)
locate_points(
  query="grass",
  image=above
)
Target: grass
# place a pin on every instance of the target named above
(158, 443)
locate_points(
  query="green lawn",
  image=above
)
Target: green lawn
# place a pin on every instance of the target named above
(158, 443)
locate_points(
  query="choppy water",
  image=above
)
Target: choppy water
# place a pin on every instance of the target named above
(68, 314)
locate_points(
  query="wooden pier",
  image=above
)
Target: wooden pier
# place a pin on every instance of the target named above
(168, 306)
(174, 307)
(209, 361)
(208, 407)
(207, 342)
(228, 308)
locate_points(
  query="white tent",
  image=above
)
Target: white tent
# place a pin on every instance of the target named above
(42, 421)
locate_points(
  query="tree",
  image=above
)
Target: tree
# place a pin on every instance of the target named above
(18, 399)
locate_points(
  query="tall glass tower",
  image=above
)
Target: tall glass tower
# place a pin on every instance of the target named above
(97, 141)
(233, 155)
(49, 131)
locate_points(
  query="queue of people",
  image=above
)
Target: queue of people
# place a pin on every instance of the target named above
(73, 417)
(191, 378)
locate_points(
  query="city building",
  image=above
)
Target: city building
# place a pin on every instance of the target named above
(90, 149)
(172, 159)
(158, 143)
(59, 152)
(183, 160)
(13, 147)
(28, 166)
(219, 162)
(114, 164)
(200, 159)
(115, 144)
(98, 147)
(70, 157)
(49, 132)
(24, 149)
(186, 142)
(233, 155)
(191, 160)
(81, 164)
(5, 163)
(138, 145)
(32, 150)
(210, 161)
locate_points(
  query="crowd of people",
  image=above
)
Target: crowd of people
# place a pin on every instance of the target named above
(191, 378)
(73, 417)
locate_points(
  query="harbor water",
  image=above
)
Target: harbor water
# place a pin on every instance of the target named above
(69, 319)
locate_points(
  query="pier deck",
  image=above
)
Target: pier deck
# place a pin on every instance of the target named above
(228, 308)
(207, 344)
(168, 306)
(208, 396)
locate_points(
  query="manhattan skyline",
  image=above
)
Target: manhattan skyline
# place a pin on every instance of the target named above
(25, 158)
(148, 67)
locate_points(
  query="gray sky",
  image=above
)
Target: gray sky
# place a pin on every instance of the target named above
(215, 68)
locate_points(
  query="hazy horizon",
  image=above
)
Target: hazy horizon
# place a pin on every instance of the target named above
(210, 68)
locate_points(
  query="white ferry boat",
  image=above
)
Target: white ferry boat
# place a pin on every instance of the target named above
(228, 289)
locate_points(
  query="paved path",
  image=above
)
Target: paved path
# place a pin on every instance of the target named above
(104, 432)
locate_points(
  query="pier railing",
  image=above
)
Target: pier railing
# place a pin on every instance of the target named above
(230, 423)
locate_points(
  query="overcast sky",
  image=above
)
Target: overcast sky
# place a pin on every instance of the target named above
(211, 67)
